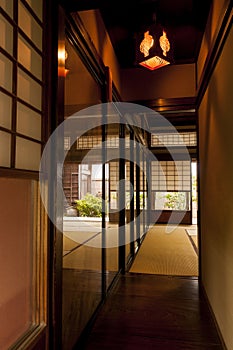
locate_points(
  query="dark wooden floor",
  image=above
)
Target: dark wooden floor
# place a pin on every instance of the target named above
(154, 312)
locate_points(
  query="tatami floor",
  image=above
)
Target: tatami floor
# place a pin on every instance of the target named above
(168, 250)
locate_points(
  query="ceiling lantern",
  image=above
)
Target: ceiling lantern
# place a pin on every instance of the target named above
(153, 48)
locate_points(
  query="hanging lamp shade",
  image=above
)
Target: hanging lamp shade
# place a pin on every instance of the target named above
(153, 48)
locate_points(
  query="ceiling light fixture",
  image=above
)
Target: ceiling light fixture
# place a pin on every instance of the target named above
(153, 48)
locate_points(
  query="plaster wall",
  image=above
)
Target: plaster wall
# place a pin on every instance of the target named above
(168, 82)
(94, 25)
(216, 191)
(214, 22)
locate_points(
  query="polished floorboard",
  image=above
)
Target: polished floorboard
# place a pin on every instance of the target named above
(154, 312)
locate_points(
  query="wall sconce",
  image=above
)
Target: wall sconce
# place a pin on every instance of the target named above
(66, 69)
(62, 57)
(153, 48)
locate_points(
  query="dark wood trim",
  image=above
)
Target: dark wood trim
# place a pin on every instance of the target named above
(56, 237)
(9, 56)
(149, 193)
(121, 199)
(80, 39)
(160, 153)
(104, 198)
(28, 138)
(137, 196)
(186, 128)
(163, 217)
(31, 339)
(191, 192)
(18, 99)
(2, 128)
(132, 196)
(48, 122)
(13, 133)
(107, 97)
(53, 94)
(196, 76)
(169, 104)
(215, 52)
(115, 94)
(163, 154)
(46, 71)
(178, 111)
(19, 173)
(199, 205)
(40, 342)
(144, 191)
(29, 106)
(108, 84)
(14, 85)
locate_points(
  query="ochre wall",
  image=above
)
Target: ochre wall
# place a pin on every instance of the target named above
(167, 82)
(216, 191)
(214, 22)
(94, 25)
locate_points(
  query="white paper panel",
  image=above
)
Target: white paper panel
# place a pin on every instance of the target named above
(29, 58)
(5, 73)
(5, 147)
(7, 5)
(5, 110)
(28, 122)
(28, 154)
(29, 90)
(6, 35)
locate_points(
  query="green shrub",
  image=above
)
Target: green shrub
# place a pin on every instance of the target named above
(90, 206)
(175, 200)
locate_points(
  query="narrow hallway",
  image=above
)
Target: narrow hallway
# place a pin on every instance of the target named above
(154, 312)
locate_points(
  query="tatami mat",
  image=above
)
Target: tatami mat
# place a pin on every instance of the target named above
(166, 253)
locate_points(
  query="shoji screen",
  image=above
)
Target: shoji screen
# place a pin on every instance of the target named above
(21, 79)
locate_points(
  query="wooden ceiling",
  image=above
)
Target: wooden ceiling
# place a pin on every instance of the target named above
(185, 21)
